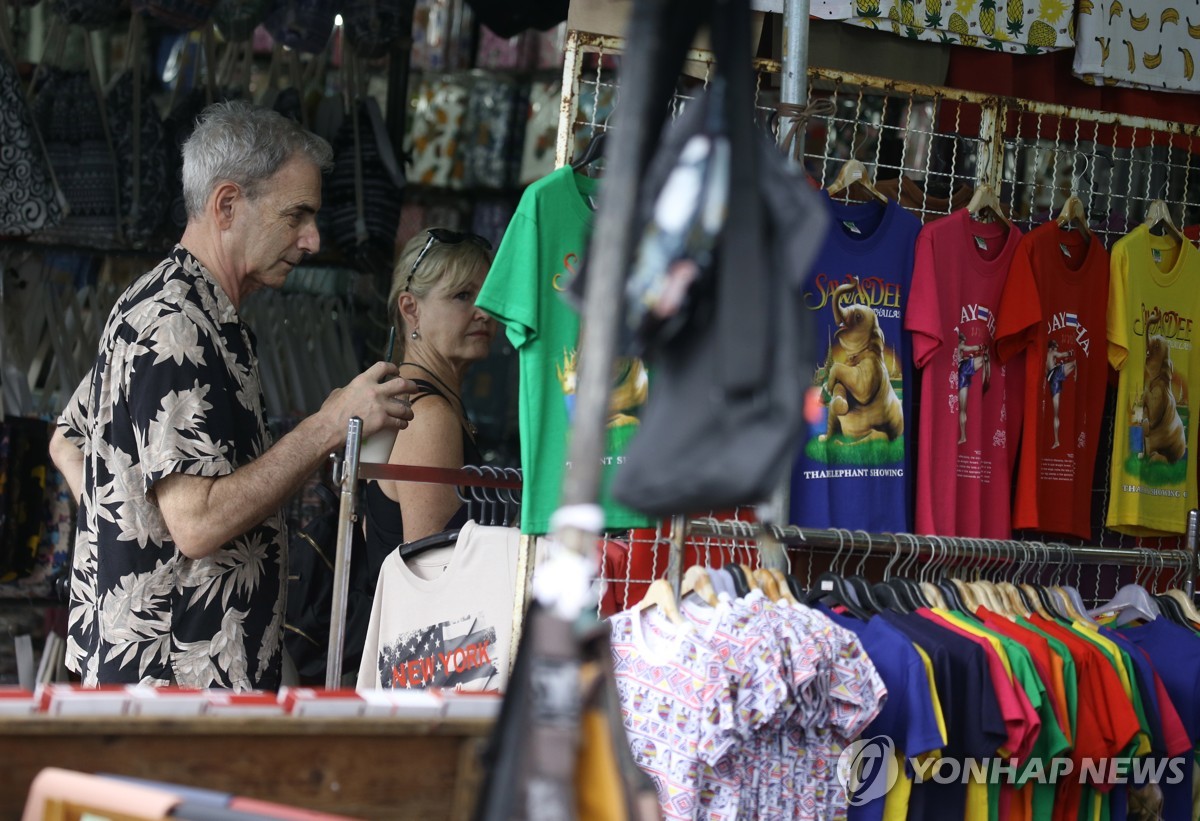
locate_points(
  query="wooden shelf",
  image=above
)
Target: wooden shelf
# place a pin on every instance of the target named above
(369, 768)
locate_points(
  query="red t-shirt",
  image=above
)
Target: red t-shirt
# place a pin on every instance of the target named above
(970, 402)
(1054, 309)
(1105, 718)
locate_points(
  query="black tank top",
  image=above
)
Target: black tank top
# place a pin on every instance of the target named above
(384, 521)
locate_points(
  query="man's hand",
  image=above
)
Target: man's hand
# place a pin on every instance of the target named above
(378, 396)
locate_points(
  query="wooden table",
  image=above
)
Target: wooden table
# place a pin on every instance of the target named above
(390, 768)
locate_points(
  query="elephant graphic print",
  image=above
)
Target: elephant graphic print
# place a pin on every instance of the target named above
(856, 408)
(1153, 307)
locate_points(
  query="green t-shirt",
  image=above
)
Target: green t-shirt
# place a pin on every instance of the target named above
(542, 250)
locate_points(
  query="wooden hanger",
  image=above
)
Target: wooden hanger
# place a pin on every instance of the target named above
(1159, 216)
(785, 591)
(767, 582)
(696, 580)
(1185, 603)
(851, 173)
(1073, 213)
(751, 582)
(985, 201)
(661, 595)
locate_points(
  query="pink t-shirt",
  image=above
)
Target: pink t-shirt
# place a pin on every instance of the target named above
(970, 401)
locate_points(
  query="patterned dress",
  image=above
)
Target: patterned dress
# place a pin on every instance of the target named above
(174, 389)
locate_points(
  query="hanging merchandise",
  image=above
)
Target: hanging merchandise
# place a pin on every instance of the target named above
(542, 251)
(29, 196)
(140, 145)
(492, 132)
(1139, 45)
(365, 189)
(764, 696)
(1054, 310)
(858, 423)
(374, 27)
(437, 132)
(970, 407)
(516, 53)
(70, 115)
(443, 618)
(302, 25)
(91, 14)
(511, 17)
(236, 20)
(1015, 26)
(541, 130)
(728, 234)
(1154, 298)
(184, 15)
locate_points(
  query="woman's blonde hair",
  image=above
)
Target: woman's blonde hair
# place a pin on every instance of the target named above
(455, 265)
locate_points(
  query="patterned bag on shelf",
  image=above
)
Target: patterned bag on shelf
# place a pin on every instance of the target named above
(29, 196)
(302, 25)
(374, 27)
(143, 165)
(437, 130)
(237, 19)
(515, 53)
(365, 189)
(492, 131)
(92, 14)
(72, 123)
(541, 130)
(184, 15)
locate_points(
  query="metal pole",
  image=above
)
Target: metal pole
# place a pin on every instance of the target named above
(347, 478)
(675, 558)
(794, 83)
(1189, 586)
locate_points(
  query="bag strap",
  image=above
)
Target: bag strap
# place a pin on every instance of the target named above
(742, 294)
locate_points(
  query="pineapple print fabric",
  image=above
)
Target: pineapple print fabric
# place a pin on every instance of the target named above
(1016, 26)
(1148, 44)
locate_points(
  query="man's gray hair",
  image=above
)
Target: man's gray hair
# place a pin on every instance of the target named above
(244, 144)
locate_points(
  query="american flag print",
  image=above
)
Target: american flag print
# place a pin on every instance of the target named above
(447, 654)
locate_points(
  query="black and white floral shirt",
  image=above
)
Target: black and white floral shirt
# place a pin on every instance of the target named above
(174, 389)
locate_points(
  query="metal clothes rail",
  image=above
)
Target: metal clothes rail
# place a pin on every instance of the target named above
(976, 551)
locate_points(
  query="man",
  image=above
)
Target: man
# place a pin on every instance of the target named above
(180, 563)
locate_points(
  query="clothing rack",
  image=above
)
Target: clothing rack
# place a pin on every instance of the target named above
(989, 551)
(348, 471)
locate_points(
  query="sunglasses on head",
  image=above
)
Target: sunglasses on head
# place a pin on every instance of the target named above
(446, 237)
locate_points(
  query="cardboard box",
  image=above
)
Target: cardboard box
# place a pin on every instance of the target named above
(182, 702)
(251, 703)
(77, 700)
(17, 701)
(345, 703)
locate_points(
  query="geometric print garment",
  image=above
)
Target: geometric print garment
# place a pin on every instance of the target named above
(677, 709)
(756, 668)
(174, 389)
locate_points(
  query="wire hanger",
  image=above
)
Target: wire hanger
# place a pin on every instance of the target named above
(985, 201)
(1158, 215)
(851, 173)
(593, 152)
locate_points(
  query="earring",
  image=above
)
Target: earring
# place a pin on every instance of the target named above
(415, 335)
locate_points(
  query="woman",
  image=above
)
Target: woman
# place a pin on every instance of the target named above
(440, 333)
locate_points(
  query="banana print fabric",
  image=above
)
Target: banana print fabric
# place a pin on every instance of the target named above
(1015, 26)
(174, 389)
(1148, 44)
